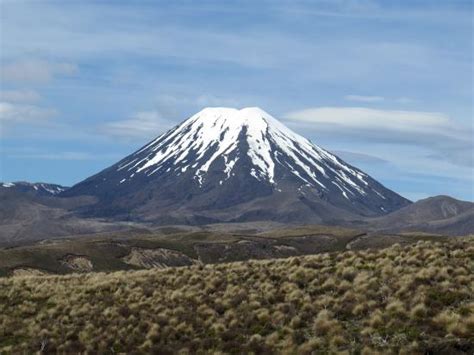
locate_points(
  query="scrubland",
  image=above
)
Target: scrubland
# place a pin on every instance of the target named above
(403, 299)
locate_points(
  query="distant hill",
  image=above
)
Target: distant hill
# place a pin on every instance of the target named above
(33, 188)
(28, 215)
(30, 212)
(439, 214)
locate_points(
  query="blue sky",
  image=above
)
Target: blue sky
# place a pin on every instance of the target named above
(388, 86)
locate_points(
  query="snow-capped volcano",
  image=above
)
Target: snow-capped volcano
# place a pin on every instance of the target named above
(270, 145)
(221, 158)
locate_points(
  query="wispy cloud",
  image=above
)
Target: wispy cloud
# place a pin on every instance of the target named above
(443, 136)
(361, 98)
(19, 113)
(378, 99)
(35, 71)
(357, 157)
(28, 96)
(389, 121)
(141, 125)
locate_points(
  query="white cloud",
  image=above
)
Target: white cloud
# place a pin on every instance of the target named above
(380, 120)
(146, 124)
(17, 113)
(374, 99)
(36, 71)
(28, 96)
(439, 135)
(361, 98)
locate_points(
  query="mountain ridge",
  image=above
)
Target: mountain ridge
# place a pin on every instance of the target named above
(437, 214)
(36, 188)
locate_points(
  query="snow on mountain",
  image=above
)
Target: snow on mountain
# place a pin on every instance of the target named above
(225, 154)
(270, 144)
(37, 188)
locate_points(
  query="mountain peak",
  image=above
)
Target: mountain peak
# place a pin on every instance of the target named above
(245, 116)
(227, 132)
(224, 156)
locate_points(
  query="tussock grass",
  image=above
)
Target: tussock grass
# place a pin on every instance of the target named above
(404, 299)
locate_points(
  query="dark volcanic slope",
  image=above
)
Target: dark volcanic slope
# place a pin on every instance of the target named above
(32, 214)
(234, 165)
(439, 214)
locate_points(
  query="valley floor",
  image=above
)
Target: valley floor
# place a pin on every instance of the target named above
(411, 299)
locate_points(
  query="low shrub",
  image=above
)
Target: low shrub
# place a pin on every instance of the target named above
(404, 299)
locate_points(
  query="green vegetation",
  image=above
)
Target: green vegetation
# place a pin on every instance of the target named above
(404, 299)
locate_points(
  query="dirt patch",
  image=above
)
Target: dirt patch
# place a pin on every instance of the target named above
(157, 258)
(77, 263)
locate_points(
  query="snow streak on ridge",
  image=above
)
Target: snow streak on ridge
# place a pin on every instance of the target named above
(213, 133)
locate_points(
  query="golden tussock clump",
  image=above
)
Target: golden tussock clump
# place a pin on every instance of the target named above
(404, 299)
